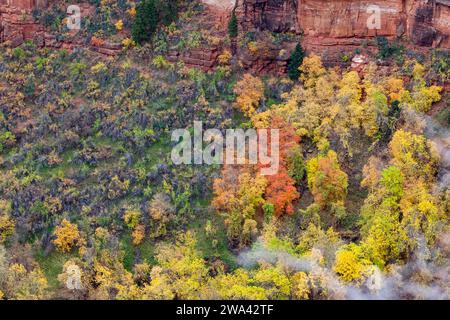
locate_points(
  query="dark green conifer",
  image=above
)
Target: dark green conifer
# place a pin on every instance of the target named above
(295, 62)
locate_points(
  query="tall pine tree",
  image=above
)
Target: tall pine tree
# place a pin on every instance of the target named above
(295, 62)
(233, 26)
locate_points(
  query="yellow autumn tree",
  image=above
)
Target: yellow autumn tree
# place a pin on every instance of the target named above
(7, 223)
(132, 219)
(300, 286)
(138, 234)
(351, 265)
(181, 272)
(374, 106)
(237, 196)
(394, 88)
(311, 69)
(421, 97)
(414, 155)
(20, 283)
(371, 173)
(109, 279)
(237, 286)
(274, 280)
(66, 236)
(327, 182)
(249, 91)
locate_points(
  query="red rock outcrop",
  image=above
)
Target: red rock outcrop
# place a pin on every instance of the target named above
(327, 26)
(273, 15)
(16, 21)
(344, 22)
(17, 25)
(333, 27)
(202, 58)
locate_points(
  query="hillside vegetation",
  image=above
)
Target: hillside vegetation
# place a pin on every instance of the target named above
(92, 207)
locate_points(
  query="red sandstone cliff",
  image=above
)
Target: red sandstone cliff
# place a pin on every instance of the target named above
(327, 23)
(329, 27)
(16, 22)
(324, 23)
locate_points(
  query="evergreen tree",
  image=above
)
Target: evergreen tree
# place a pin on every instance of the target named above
(233, 26)
(146, 21)
(169, 11)
(138, 29)
(295, 62)
(151, 17)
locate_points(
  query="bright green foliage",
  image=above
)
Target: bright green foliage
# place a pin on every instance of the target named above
(392, 180)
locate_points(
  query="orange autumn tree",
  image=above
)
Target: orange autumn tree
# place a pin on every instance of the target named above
(281, 191)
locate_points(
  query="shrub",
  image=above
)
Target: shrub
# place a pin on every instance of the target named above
(387, 50)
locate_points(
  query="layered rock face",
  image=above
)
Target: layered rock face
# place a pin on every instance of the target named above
(204, 58)
(430, 23)
(274, 15)
(333, 27)
(323, 23)
(17, 25)
(345, 22)
(341, 22)
(16, 21)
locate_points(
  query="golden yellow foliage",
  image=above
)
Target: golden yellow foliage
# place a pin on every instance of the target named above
(395, 88)
(119, 25)
(386, 239)
(138, 234)
(327, 182)
(311, 69)
(253, 47)
(371, 173)
(21, 284)
(414, 156)
(132, 218)
(7, 225)
(237, 286)
(249, 93)
(225, 57)
(300, 286)
(66, 236)
(350, 264)
(237, 195)
(132, 11)
(127, 43)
